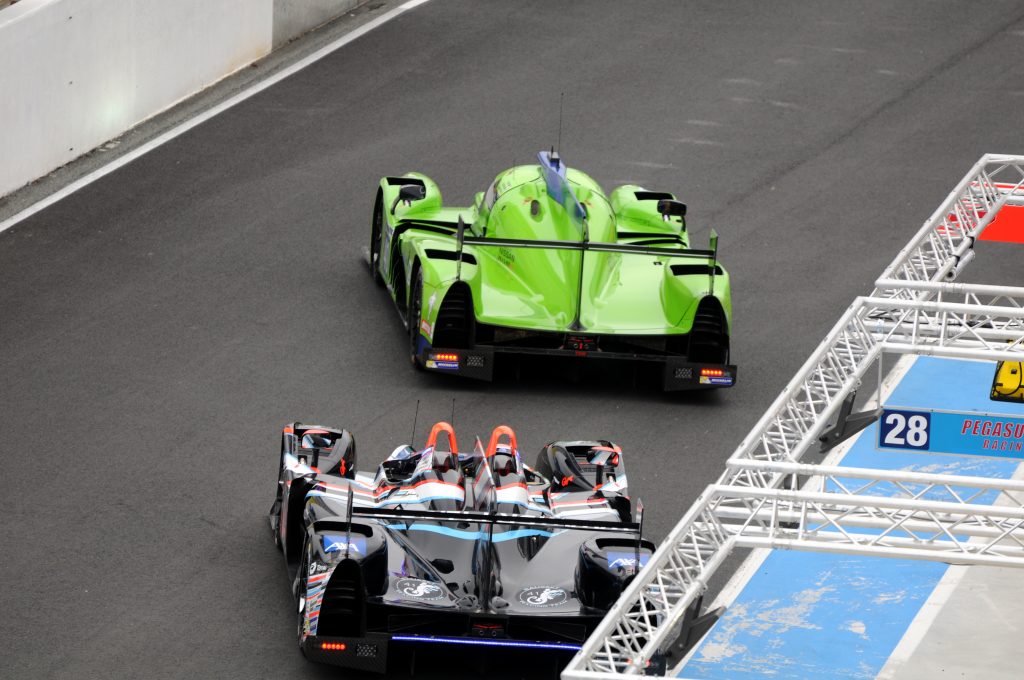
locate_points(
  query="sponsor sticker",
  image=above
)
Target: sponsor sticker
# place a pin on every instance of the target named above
(543, 596)
(336, 543)
(443, 365)
(621, 560)
(419, 589)
(716, 380)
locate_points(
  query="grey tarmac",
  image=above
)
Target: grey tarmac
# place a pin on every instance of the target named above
(161, 324)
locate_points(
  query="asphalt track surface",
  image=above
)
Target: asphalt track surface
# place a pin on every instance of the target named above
(160, 325)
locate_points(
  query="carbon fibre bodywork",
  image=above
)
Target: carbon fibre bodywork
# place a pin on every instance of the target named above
(544, 263)
(438, 547)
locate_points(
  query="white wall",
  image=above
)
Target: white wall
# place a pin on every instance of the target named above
(76, 73)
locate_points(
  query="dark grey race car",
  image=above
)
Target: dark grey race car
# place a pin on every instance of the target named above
(441, 548)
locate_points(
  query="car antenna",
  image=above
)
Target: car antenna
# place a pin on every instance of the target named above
(452, 422)
(561, 97)
(412, 437)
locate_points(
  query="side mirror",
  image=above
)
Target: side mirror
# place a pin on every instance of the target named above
(409, 193)
(669, 208)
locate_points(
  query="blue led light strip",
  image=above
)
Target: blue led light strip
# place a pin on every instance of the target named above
(565, 646)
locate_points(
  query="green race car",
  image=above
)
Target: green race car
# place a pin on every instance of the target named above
(544, 263)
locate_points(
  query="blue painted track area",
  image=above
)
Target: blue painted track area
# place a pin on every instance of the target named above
(813, 615)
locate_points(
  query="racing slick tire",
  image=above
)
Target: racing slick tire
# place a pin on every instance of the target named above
(375, 238)
(415, 313)
(300, 596)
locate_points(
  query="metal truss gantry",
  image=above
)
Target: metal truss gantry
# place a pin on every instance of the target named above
(766, 498)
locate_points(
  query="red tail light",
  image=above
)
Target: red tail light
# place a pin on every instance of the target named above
(712, 372)
(333, 646)
(444, 357)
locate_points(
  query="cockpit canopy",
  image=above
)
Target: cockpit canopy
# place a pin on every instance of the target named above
(434, 471)
(548, 201)
(511, 493)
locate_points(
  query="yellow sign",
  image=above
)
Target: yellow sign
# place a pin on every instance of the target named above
(1008, 383)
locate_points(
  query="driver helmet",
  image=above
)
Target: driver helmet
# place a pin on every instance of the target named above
(504, 459)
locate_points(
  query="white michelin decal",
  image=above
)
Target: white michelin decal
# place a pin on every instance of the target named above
(418, 588)
(543, 596)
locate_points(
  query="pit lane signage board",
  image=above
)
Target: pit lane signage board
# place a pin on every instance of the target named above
(971, 433)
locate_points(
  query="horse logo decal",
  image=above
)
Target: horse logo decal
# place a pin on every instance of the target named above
(419, 589)
(543, 596)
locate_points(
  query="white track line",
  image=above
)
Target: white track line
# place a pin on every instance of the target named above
(187, 125)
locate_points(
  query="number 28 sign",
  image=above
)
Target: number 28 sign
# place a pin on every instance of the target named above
(904, 430)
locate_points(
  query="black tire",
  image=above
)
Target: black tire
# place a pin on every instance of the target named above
(300, 596)
(375, 239)
(415, 308)
(709, 337)
(275, 512)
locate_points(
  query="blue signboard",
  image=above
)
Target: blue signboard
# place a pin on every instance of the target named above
(972, 433)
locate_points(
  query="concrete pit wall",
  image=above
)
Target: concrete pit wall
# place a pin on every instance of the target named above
(77, 73)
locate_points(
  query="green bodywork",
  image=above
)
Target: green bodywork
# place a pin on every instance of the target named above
(539, 288)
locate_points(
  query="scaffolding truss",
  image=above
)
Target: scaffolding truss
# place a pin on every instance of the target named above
(870, 327)
(766, 498)
(936, 517)
(945, 518)
(945, 243)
